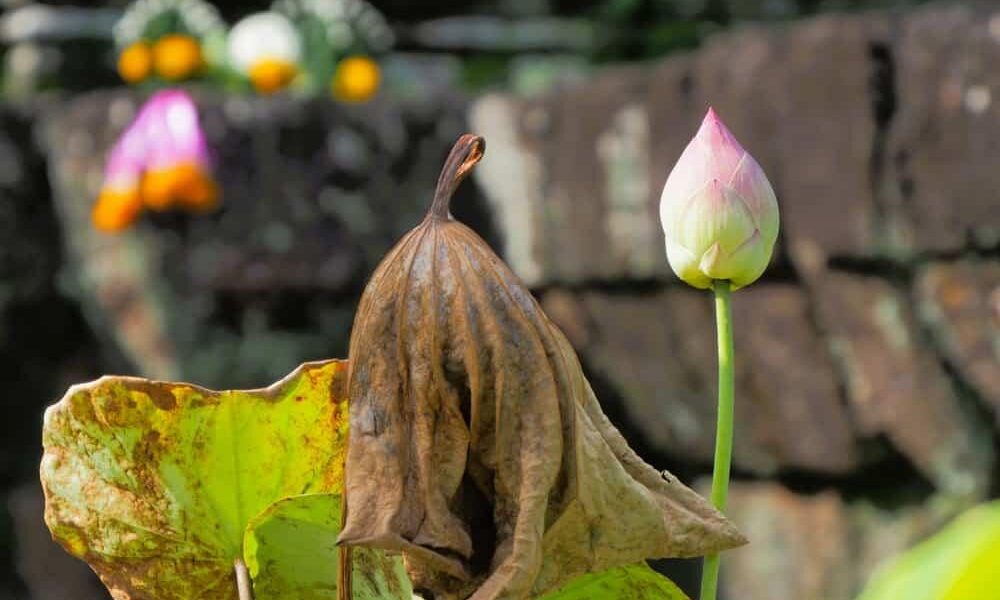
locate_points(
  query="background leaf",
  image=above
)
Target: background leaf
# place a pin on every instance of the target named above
(634, 582)
(154, 483)
(291, 552)
(961, 562)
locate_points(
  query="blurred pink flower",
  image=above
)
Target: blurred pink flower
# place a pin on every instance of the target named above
(160, 160)
(719, 213)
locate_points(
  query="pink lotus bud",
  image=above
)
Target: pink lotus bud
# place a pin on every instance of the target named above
(719, 213)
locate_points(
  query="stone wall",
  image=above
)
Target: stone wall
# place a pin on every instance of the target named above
(868, 368)
(868, 373)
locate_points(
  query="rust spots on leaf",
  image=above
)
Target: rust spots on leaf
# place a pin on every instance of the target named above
(161, 394)
(152, 483)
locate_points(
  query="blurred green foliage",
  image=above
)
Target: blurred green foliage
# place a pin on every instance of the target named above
(961, 562)
(619, 30)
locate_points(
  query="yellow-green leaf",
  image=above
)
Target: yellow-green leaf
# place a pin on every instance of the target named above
(154, 483)
(291, 552)
(634, 582)
(961, 562)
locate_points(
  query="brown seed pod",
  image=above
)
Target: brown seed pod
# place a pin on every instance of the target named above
(477, 447)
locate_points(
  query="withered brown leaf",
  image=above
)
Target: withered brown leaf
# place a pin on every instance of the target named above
(477, 447)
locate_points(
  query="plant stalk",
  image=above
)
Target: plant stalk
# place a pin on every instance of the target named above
(243, 585)
(724, 426)
(345, 583)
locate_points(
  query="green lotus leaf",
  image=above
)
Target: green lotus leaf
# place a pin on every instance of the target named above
(154, 483)
(291, 552)
(634, 582)
(961, 562)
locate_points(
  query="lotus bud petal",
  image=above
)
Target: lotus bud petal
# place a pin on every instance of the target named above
(719, 213)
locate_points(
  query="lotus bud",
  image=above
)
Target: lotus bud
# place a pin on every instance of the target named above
(477, 448)
(719, 213)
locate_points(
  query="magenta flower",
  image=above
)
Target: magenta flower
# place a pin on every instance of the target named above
(719, 213)
(160, 160)
(125, 161)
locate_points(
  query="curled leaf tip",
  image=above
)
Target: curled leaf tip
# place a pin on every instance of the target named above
(467, 151)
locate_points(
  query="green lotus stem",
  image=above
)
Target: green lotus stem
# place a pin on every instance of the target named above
(243, 585)
(724, 427)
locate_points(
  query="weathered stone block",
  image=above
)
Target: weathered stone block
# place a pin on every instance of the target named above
(896, 386)
(666, 374)
(808, 556)
(942, 142)
(960, 302)
(591, 145)
(601, 151)
(818, 546)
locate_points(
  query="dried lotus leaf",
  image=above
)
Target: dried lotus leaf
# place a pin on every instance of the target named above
(477, 447)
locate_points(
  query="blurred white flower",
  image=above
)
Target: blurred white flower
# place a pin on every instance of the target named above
(267, 48)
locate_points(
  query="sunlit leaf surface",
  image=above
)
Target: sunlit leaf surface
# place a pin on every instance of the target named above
(291, 552)
(153, 484)
(961, 562)
(634, 582)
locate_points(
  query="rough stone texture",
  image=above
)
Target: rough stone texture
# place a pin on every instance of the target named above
(314, 194)
(869, 349)
(807, 74)
(900, 104)
(943, 134)
(896, 386)
(819, 545)
(805, 535)
(960, 301)
(596, 185)
(666, 374)
(601, 151)
(880, 533)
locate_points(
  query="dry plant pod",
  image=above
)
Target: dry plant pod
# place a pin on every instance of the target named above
(477, 447)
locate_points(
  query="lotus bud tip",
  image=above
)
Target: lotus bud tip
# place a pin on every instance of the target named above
(719, 213)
